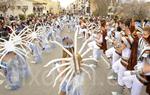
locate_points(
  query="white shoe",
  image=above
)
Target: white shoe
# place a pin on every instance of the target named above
(33, 62)
(1, 82)
(8, 87)
(111, 77)
(116, 93)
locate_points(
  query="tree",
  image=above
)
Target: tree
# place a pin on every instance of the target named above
(24, 9)
(101, 7)
(6, 4)
(134, 9)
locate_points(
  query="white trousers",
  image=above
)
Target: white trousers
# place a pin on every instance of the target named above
(133, 83)
(111, 53)
(119, 69)
(96, 53)
(95, 48)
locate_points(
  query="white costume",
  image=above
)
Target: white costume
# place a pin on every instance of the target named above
(96, 50)
(119, 66)
(111, 52)
(134, 81)
(37, 54)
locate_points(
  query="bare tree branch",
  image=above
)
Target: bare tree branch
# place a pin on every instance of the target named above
(102, 7)
(6, 4)
(135, 9)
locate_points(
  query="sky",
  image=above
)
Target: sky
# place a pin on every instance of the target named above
(65, 3)
(147, 0)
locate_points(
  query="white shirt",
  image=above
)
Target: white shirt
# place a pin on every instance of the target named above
(126, 53)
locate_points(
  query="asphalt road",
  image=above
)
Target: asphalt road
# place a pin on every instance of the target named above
(38, 84)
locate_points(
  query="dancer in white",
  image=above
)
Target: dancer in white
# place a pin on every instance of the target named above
(74, 67)
(137, 79)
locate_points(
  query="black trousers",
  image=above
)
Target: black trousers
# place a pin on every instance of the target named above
(148, 89)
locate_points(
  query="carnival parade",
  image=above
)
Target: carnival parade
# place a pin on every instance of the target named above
(74, 53)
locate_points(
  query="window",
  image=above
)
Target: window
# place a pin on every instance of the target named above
(18, 7)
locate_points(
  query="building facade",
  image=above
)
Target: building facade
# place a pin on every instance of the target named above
(37, 7)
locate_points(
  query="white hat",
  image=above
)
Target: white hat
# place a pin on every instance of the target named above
(126, 41)
(147, 48)
(139, 28)
(148, 23)
(123, 33)
(112, 29)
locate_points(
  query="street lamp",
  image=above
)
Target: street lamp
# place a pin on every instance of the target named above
(24, 9)
(88, 7)
(74, 7)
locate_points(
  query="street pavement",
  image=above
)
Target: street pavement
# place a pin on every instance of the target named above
(39, 84)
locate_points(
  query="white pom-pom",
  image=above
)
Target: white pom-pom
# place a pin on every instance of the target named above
(17, 40)
(34, 35)
(9, 46)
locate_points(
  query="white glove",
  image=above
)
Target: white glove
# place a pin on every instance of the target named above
(127, 73)
(107, 38)
(138, 67)
(140, 70)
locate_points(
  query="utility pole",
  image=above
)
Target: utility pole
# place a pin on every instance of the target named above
(90, 7)
(77, 7)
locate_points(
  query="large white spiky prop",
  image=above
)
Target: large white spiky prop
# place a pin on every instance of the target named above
(21, 39)
(39, 30)
(75, 64)
(17, 44)
(35, 33)
(2, 78)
